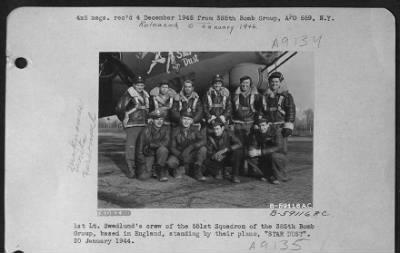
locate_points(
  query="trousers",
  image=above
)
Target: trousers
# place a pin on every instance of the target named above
(233, 158)
(273, 166)
(197, 156)
(131, 137)
(143, 170)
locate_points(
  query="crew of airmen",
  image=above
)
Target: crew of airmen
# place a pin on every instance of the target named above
(223, 134)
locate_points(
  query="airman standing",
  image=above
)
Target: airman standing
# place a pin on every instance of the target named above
(244, 112)
(277, 105)
(188, 100)
(134, 105)
(162, 98)
(217, 102)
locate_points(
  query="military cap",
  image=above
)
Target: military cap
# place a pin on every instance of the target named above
(157, 114)
(164, 82)
(217, 122)
(261, 119)
(276, 75)
(139, 79)
(187, 113)
(217, 78)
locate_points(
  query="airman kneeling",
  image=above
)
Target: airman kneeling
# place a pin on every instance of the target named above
(188, 149)
(152, 148)
(223, 147)
(266, 151)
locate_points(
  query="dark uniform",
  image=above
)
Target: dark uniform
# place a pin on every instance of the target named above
(187, 102)
(152, 149)
(132, 109)
(233, 155)
(271, 159)
(163, 102)
(188, 147)
(244, 110)
(217, 102)
(279, 108)
(244, 113)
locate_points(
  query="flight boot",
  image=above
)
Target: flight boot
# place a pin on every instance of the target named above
(226, 172)
(198, 174)
(235, 179)
(162, 173)
(130, 172)
(219, 175)
(179, 172)
(273, 180)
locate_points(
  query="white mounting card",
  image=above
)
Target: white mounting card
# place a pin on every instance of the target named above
(67, 177)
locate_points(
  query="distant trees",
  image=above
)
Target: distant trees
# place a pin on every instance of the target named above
(109, 123)
(305, 125)
(309, 119)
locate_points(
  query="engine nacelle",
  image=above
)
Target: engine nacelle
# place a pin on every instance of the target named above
(259, 79)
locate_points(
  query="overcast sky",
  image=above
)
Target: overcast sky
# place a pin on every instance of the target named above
(299, 76)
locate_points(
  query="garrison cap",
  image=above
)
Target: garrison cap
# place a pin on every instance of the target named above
(217, 78)
(139, 79)
(157, 114)
(276, 75)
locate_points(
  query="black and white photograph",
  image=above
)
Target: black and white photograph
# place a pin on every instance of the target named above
(200, 129)
(205, 129)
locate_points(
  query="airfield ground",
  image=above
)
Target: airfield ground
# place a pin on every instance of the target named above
(115, 190)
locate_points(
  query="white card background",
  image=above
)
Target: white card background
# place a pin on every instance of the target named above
(354, 124)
